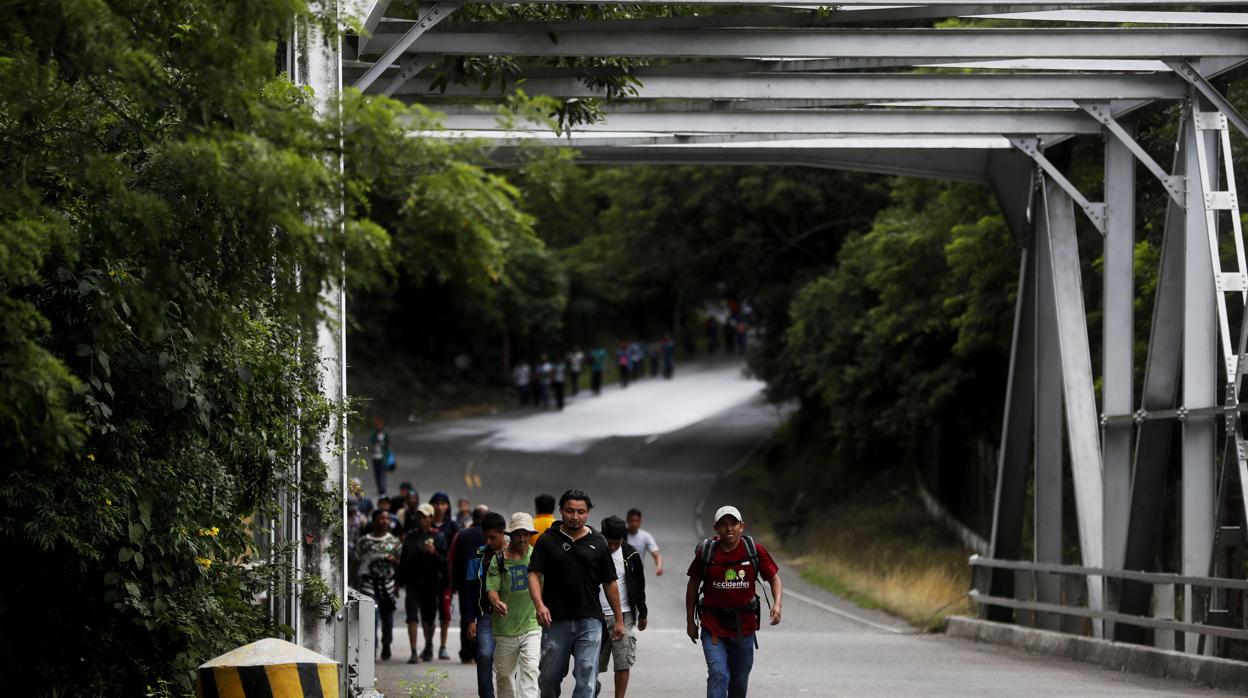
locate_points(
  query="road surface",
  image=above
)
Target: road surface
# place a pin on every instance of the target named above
(662, 447)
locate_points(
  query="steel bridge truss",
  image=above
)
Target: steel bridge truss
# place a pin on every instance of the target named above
(869, 88)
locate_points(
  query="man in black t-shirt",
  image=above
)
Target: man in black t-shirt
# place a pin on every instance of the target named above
(570, 563)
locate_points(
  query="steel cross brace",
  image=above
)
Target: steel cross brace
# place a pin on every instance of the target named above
(1188, 72)
(1030, 146)
(1176, 186)
(434, 14)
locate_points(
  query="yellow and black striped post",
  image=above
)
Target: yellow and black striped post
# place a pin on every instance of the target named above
(268, 669)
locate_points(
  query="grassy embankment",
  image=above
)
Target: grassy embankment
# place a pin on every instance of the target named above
(865, 538)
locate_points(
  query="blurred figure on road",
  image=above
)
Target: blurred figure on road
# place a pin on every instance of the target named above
(576, 362)
(463, 563)
(545, 374)
(383, 504)
(422, 570)
(622, 358)
(558, 380)
(522, 375)
(636, 360)
(463, 514)
(599, 364)
(669, 357)
(544, 515)
(721, 596)
(631, 581)
(643, 541)
(569, 565)
(517, 635)
(654, 352)
(379, 445)
(481, 629)
(378, 553)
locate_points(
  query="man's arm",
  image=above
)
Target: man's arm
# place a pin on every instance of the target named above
(777, 592)
(535, 593)
(691, 608)
(658, 562)
(613, 598)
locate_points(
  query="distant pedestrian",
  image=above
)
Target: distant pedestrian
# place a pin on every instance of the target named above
(481, 628)
(395, 529)
(444, 522)
(597, 366)
(712, 334)
(543, 515)
(631, 581)
(558, 381)
(423, 573)
(636, 360)
(517, 635)
(643, 541)
(357, 526)
(730, 335)
(463, 561)
(382, 456)
(378, 553)
(721, 596)
(669, 358)
(568, 567)
(622, 359)
(545, 375)
(576, 362)
(463, 513)
(522, 375)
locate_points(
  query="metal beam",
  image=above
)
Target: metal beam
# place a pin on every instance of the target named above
(1012, 178)
(372, 20)
(396, 46)
(1200, 362)
(843, 121)
(1125, 17)
(1118, 339)
(852, 86)
(1146, 522)
(1174, 185)
(934, 44)
(1188, 72)
(1082, 423)
(885, 3)
(1050, 445)
(1095, 211)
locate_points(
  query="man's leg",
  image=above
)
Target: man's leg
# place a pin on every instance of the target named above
(467, 646)
(624, 653)
(485, 657)
(740, 662)
(621, 683)
(530, 652)
(379, 475)
(506, 656)
(556, 651)
(716, 666)
(588, 640)
(444, 614)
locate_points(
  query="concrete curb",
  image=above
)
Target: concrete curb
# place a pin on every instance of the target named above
(1214, 672)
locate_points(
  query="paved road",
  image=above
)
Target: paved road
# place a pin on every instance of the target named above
(662, 446)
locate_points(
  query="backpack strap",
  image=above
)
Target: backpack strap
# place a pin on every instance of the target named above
(707, 551)
(751, 551)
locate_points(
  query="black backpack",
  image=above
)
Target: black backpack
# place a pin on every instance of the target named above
(706, 551)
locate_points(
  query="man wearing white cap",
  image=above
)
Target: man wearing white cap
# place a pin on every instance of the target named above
(517, 636)
(723, 574)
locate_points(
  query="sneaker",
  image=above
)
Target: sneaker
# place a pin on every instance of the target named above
(427, 655)
(385, 652)
(443, 654)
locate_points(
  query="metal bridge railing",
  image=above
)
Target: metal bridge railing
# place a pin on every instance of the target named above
(1203, 588)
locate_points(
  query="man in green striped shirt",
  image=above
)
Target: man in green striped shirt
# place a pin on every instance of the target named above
(517, 635)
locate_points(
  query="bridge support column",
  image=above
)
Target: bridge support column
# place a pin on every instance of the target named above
(1200, 364)
(1057, 230)
(1050, 433)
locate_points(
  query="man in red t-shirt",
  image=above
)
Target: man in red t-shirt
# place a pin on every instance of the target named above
(728, 609)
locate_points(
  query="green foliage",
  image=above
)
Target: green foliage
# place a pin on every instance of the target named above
(166, 228)
(911, 329)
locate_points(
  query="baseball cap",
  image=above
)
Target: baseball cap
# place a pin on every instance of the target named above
(425, 509)
(728, 511)
(520, 521)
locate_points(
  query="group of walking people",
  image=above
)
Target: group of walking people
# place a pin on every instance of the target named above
(541, 594)
(548, 382)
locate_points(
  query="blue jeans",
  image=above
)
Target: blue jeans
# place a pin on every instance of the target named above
(728, 664)
(485, 657)
(577, 639)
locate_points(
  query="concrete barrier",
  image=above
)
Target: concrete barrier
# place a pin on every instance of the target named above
(1214, 672)
(269, 668)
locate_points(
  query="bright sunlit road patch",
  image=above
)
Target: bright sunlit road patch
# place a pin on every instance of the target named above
(650, 407)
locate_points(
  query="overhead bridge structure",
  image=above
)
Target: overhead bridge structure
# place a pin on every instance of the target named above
(878, 87)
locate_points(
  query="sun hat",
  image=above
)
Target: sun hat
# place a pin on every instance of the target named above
(728, 511)
(520, 521)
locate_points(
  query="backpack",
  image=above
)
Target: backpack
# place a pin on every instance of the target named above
(706, 551)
